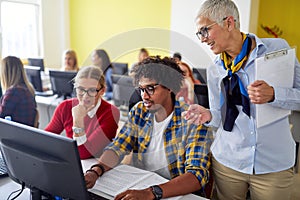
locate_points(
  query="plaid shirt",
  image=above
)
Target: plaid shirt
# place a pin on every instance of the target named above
(186, 145)
(20, 104)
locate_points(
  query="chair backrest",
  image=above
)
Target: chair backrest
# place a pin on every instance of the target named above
(201, 94)
(122, 89)
(200, 74)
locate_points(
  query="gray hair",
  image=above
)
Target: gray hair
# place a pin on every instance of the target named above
(217, 10)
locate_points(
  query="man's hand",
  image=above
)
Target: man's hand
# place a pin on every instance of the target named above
(145, 194)
(260, 92)
(197, 114)
(90, 179)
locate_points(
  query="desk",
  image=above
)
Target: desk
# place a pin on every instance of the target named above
(7, 186)
(46, 107)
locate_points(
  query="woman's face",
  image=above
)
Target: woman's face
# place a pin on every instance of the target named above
(186, 72)
(69, 61)
(91, 85)
(96, 60)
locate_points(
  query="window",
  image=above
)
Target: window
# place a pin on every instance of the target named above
(21, 30)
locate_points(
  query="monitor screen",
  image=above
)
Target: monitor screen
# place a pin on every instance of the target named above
(46, 163)
(34, 77)
(123, 88)
(120, 68)
(62, 83)
(39, 62)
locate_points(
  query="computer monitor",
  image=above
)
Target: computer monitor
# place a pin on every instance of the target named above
(122, 89)
(34, 77)
(201, 94)
(120, 68)
(200, 74)
(39, 62)
(62, 83)
(46, 163)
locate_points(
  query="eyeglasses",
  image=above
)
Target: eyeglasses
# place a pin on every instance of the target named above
(149, 89)
(203, 32)
(92, 92)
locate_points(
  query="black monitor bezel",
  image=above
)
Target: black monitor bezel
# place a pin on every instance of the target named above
(43, 161)
(39, 62)
(33, 74)
(67, 77)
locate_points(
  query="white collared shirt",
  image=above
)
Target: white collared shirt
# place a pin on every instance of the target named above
(92, 112)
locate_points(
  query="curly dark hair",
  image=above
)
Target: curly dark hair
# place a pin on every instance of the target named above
(163, 70)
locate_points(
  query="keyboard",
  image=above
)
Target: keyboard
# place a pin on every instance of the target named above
(3, 169)
(94, 196)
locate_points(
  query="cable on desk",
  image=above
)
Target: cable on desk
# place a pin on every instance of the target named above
(19, 190)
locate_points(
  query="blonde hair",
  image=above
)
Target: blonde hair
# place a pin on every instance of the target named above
(13, 74)
(90, 72)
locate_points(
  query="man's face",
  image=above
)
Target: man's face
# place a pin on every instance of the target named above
(155, 97)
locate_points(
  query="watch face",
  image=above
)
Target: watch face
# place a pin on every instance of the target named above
(157, 191)
(77, 130)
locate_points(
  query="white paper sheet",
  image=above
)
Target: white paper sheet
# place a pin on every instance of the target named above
(277, 69)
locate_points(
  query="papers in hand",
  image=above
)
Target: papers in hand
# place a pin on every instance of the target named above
(124, 177)
(277, 69)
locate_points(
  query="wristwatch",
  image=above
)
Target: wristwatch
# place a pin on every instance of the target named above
(77, 130)
(157, 191)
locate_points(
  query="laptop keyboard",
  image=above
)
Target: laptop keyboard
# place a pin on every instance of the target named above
(3, 169)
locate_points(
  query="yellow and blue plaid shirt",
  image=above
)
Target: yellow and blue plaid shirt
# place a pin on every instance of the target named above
(186, 145)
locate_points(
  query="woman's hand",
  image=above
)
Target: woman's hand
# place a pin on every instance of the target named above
(260, 92)
(197, 114)
(79, 112)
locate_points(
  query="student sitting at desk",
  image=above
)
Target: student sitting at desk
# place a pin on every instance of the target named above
(18, 100)
(101, 59)
(89, 119)
(70, 62)
(160, 139)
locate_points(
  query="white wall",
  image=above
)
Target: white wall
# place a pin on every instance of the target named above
(56, 31)
(183, 22)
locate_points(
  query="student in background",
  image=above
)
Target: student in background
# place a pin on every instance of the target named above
(245, 157)
(187, 90)
(143, 53)
(88, 119)
(101, 59)
(160, 139)
(70, 61)
(18, 100)
(177, 56)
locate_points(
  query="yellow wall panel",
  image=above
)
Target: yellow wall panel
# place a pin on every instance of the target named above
(101, 24)
(284, 15)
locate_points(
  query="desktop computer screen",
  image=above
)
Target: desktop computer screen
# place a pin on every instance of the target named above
(39, 62)
(120, 68)
(62, 83)
(34, 77)
(47, 163)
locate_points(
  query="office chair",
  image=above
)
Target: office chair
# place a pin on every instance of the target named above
(201, 95)
(200, 74)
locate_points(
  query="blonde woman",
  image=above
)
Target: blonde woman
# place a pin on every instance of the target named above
(70, 61)
(18, 100)
(88, 118)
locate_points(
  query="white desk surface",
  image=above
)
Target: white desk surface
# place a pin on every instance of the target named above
(7, 186)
